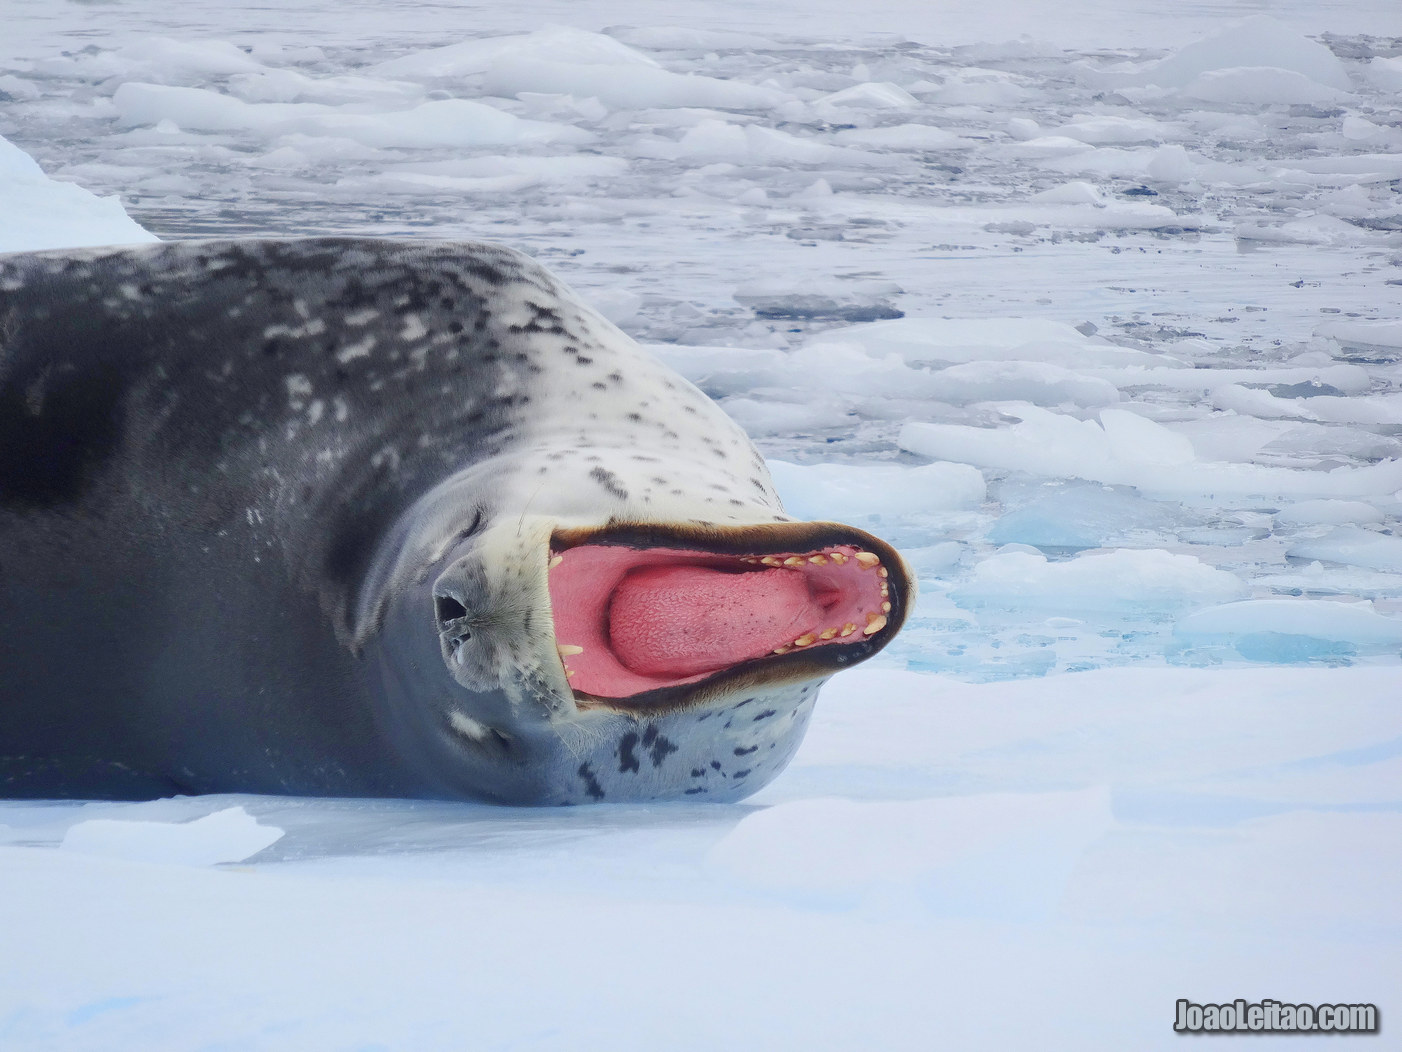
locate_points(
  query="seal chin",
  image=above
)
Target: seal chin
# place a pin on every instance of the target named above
(659, 617)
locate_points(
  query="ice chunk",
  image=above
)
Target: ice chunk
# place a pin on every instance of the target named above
(1103, 129)
(1384, 72)
(689, 38)
(1309, 230)
(783, 417)
(1082, 516)
(618, 305)
(1171, 164)
(1287, 630)
(858, 493)
(1328, 512)
(1350, 379)
(287, 85)
(441, 122)
(1258, 41)
(902, 137)
(1135, 452)
(977, 86)
(1114, 581)
(871, 96)
(1260, 84)
(721, 371)
(1073, 193)
(713, 140)
(555, 43)
(194, 56)
(991, 853)
(14, 88)
(625, 86)
(1353, 546)
(1037, 382)
(37, 212)
(230, 835)
(158, 58)
(957, 340)
(1363, 333)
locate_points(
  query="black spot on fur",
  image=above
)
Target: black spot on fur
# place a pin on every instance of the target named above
(746, 752)
(611, 482)
(658, 745)
(627, 758)
(763, 715)
(591, 784)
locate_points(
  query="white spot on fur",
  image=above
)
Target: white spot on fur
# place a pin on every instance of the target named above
(298, 388)
(356, 350)
(414, 329)
(468, 727)
(361, 317)
(315, 410)
(315, 327)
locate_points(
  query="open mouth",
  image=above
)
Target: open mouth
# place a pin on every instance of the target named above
(642, 614)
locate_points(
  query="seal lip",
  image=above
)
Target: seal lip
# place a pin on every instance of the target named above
(749, 541)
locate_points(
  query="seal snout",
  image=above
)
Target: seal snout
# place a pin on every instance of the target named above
(630, 620)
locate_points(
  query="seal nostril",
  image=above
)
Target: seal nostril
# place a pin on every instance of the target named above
(447, 609)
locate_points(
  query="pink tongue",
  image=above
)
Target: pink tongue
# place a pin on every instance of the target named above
(681, 620)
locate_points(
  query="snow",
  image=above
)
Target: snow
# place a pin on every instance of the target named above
(230, 835)
(1093, 311)
(38, 212)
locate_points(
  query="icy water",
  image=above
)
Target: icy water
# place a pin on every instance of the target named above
(1228, 218)
(1098, 314)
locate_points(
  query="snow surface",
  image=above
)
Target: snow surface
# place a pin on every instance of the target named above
(1096, 312)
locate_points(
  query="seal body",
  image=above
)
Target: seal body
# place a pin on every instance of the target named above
(309, 516)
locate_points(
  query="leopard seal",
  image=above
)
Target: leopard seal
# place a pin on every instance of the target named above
(360, 517)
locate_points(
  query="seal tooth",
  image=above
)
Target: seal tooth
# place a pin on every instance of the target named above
(885, 590)
(794, 560)
(867, 560)
(837, 557)
(885, 608)
(782, 650)
(568, 649)
(848, 629)
(769, 560)
(875, 623)
(556, 561)
(883, 571)
(818, 560)
(827, 633)
(807, 639)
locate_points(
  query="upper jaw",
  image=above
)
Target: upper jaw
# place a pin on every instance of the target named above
(819, 597)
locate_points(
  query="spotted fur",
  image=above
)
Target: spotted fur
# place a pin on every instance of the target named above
(271, 515)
